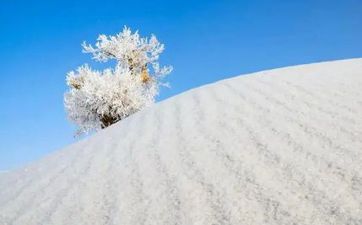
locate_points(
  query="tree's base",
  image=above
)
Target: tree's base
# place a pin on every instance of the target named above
(108, 121)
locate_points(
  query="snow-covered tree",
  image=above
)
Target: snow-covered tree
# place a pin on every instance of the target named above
(98, 99)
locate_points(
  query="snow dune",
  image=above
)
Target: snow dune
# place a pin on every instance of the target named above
(275, 147)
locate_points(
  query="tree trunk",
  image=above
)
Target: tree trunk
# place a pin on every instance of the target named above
(108, 120)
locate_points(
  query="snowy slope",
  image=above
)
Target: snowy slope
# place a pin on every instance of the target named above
(276, 147)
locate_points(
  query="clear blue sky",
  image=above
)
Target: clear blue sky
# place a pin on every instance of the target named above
(205, 41)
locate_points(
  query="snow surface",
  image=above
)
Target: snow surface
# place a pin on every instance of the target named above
(275, 147)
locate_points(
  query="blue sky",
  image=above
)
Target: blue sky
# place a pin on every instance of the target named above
(205, 41)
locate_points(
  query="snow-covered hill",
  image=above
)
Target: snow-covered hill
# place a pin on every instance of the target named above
(276, 147)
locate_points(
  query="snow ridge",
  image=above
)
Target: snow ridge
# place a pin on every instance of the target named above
(275, 147)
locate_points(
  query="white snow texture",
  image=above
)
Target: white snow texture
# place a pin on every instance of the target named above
(275, 147)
